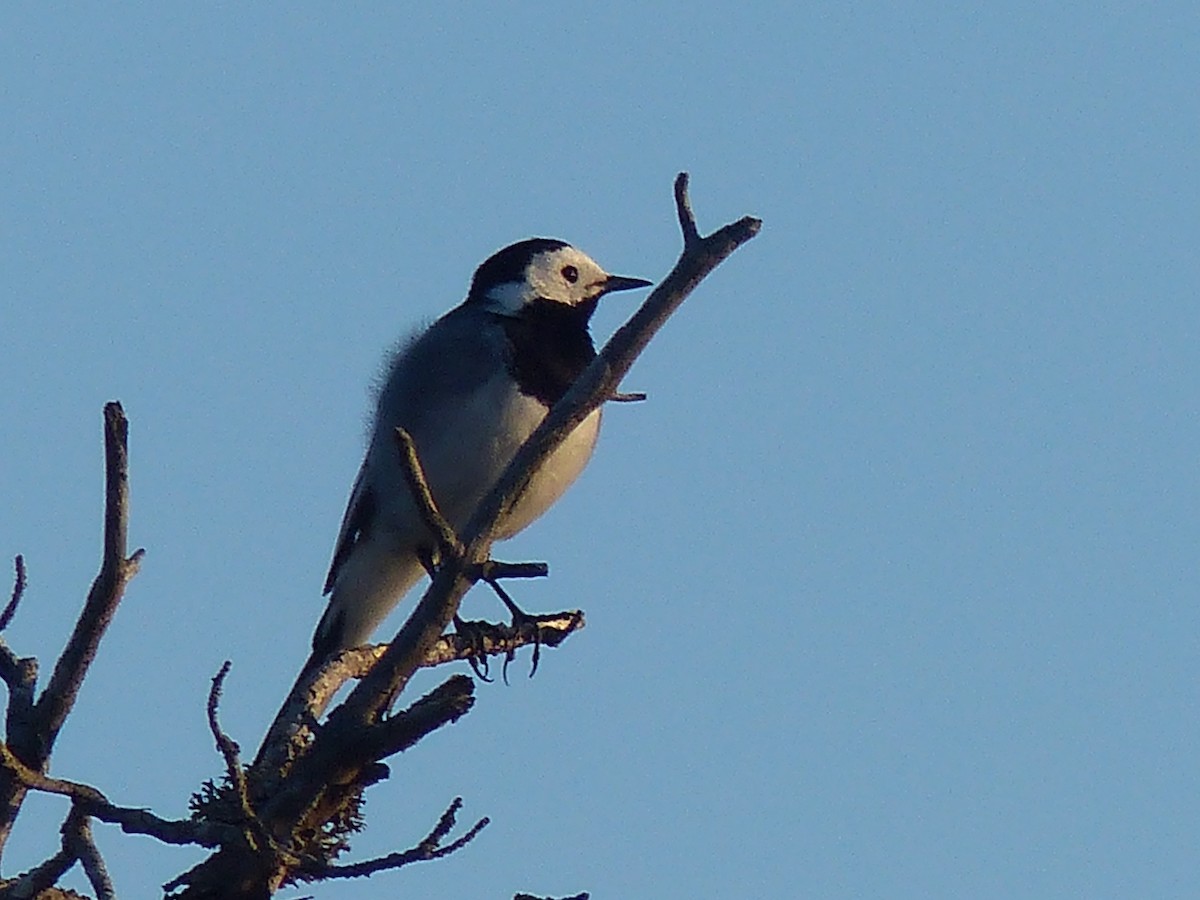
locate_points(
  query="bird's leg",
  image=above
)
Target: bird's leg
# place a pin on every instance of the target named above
(471, 632)
(522, 622)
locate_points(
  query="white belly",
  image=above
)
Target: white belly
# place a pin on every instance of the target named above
(556, 475)
(465, 452)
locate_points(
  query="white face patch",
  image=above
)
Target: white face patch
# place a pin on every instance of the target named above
(565, 275)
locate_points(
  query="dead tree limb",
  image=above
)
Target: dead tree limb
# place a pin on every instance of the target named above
(31, 732)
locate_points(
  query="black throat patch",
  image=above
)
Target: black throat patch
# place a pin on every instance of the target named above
(550, 346)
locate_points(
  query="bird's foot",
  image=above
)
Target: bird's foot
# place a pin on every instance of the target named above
(525, 626)
(475, 636)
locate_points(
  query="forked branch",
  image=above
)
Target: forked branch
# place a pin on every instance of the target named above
(33, 727)
(116, 571)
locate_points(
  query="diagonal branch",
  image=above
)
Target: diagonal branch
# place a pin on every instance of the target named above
(78, 841)
(414, 475)
(444, 705)
(43, 876)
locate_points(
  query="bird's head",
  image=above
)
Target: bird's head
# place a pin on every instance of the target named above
(543, 269)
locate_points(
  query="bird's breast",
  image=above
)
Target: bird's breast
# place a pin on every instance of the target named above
(557, 474)
(466, 446)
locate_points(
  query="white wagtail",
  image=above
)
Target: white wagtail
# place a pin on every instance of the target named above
(469, 390)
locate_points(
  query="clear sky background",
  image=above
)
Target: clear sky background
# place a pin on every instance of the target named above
(892, 583)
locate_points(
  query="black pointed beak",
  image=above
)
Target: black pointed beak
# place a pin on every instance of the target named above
(620, 283)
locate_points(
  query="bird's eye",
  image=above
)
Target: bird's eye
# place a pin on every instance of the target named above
(570, 273)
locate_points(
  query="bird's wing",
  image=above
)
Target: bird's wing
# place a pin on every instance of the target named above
(360, 512)
(451, 360)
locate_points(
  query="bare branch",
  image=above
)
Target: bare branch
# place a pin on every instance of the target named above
(547, 630)
(18, 590)
(78, 841)
(445, 704)
(132, 821)
(20, 676)
(77, 846)
(493, 640)
(428, 849)
(41, 877)
(178, 832)
(487, 639)
(33, 727)
(116, 571)
(230, 750)
(414, 474)
(35, 780)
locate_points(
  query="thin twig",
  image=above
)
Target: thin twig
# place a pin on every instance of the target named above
(230, 750)
(18, 590)
(178, 832)
(429, 848)
(19, 675)
(494, 570)
(414, 474)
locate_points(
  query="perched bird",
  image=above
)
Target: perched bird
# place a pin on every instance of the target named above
(469, 390)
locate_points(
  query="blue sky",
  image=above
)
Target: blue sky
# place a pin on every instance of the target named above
(891, 584)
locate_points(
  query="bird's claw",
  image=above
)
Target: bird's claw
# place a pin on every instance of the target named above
(472, 634)
(523, 624)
